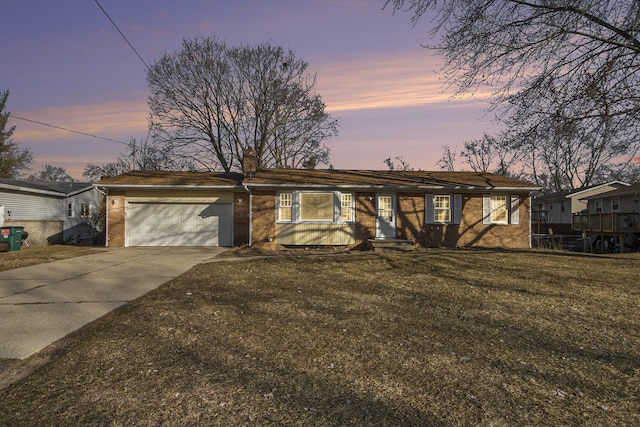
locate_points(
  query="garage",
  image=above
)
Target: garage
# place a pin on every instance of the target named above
(155, 223)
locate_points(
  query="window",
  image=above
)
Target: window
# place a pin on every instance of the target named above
(70, 210)
(346, 207)
(85, 210)
(615, 204)
(598, 205)
(316, 206)
(500, 209)
(442, 208)
(285, 207)
(499, 212)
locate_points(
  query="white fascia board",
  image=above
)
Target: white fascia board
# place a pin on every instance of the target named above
(596, 187)
(81, 190)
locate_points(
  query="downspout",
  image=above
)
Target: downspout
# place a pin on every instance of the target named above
(250, 215)
(106, 216)
(530, 225)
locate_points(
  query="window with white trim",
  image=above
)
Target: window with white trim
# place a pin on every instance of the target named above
(442, 208)
(500, 209)
(499, 212)
(316, 206)
(285, 207)
(346, 207)
(615, 204)
(70, 212)
(85, 210)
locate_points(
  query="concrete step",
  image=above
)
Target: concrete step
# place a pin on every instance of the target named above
(392, 245)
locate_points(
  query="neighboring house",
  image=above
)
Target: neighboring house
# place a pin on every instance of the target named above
(317, 207)
(52, 213)
(554, 211)
(612, 218)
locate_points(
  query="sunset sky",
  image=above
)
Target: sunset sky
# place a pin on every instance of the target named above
(65, 64)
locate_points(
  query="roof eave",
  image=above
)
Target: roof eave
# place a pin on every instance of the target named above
(32, 190)
(395, 187)
(167, 186)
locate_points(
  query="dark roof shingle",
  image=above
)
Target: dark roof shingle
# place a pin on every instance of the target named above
(321, 178)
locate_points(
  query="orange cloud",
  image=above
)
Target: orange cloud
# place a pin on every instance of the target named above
(114, 118)
(403, 81)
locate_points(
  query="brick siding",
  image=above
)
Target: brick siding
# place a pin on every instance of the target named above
(240, 219)
(263, 217)
(115, 208)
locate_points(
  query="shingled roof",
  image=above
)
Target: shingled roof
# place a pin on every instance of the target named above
(296, 178)
(173, 179)
(386, 179)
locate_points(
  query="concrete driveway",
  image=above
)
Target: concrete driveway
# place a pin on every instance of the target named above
(43, 303)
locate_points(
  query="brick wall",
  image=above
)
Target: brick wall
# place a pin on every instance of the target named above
(115, 226)
(471, 232)
(365, 217)
(263, 217)
(240, 219)
(410, 215)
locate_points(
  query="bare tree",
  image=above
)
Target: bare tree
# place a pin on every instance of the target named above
(139, 155)
(625, 172)
(50, 173)
(566, 146)
(564, 74)
(13, 158)
(448, 160)
(210, 102)
(402, 165)
(491, 154)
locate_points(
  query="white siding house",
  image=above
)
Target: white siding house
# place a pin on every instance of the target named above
(52, 213)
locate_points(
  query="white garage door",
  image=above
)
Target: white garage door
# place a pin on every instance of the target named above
(179, 224)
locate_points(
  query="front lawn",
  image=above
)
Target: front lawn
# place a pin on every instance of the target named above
(436, 337)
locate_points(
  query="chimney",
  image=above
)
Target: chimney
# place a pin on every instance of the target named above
(249, 163)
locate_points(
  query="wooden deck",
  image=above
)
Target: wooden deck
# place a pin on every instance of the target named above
(619, 223)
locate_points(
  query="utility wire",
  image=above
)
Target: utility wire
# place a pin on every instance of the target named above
(68, 130)
(123, 36)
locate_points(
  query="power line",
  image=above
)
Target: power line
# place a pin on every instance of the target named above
(123, 36)
(68, 130)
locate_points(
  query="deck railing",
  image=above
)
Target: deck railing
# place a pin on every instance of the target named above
(607, 222)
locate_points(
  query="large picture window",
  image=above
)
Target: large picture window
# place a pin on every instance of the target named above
(316, 206)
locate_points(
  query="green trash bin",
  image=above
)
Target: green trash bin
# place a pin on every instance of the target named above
(12, 236)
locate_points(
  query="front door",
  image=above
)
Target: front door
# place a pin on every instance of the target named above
(385, 216)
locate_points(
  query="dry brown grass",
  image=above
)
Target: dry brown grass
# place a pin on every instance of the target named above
(41, 254)
(438, 337)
